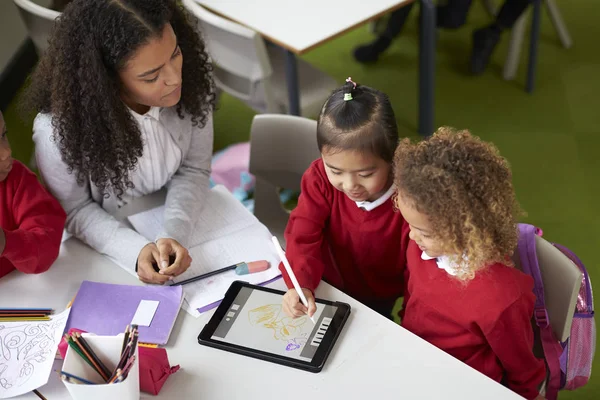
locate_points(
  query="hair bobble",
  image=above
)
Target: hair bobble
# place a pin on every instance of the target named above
(348, 96)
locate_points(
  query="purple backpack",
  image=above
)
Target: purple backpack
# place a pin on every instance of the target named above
(570, 362)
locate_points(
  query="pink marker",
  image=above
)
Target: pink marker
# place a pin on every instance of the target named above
(240, 269)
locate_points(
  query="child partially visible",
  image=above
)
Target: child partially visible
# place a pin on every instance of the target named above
(344, 229)
(464, 294)
(31, 220)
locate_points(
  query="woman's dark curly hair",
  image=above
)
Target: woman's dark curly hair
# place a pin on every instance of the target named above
(464, 187)
(77, 82)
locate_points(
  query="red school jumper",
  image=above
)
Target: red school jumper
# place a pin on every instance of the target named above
(362, 253)
(32, 221)
(485, 322)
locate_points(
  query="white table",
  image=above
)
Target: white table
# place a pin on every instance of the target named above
(373, 358)
(301, 25)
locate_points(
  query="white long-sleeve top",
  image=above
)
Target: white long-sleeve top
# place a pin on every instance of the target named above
(176, 155)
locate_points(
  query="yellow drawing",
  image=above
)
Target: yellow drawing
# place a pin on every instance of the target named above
(269, 316)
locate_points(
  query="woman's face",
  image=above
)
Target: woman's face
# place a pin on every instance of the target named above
(152, 76)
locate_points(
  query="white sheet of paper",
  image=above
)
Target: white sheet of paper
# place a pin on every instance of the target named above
(145, 312)
(226, 233)
(222, 215)
(27, 353)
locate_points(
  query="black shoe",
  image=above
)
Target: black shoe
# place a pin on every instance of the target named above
(369, 53)
(485, 41)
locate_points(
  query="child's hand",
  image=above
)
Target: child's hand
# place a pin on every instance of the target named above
(293, 307)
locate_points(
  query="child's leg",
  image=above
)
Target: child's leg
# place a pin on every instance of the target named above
(486, 39)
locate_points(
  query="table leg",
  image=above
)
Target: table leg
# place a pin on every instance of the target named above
(533, 45)
(291, 80)
(427, 67)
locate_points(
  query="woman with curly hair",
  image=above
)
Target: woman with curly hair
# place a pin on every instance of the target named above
(125, 99)
(463, 294)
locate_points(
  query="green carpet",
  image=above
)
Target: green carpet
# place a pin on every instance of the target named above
(551, 138)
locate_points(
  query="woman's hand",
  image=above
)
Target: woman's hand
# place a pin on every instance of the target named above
(168, 248)
(147, 259)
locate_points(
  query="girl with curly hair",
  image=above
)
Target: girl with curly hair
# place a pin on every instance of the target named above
(344, 229)
(463, 294)
(125, 99)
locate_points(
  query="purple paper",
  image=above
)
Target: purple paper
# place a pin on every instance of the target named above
(106, 309)
(216, 303)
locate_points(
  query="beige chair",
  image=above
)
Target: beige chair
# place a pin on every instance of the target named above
(562, 281)
(38, 21)
(248, 69)
(282, 147)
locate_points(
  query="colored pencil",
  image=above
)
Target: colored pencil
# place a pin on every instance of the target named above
(89, 356)
(38, 394)
(77, 349)
(71, 376)
(206, 275)
(115, 376)
(93, 355)
(125, 339)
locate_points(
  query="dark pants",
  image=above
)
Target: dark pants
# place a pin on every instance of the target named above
(453, 14)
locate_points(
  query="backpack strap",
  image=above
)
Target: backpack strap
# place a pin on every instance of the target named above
(552, 348)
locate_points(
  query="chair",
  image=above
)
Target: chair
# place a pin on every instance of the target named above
(38, 21)
(517, 34)
(248, 69)
(282, 147)
(562, 281)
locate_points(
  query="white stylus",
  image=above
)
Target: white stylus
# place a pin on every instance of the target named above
(290, 273)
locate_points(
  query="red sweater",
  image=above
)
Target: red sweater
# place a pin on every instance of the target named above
(32, 221)
(486, 322)
(362, 253)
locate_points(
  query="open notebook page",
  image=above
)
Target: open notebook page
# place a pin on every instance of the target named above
(229, 234)
(221, 215)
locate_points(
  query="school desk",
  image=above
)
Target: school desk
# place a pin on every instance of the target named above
(299, 26)
(374, 358)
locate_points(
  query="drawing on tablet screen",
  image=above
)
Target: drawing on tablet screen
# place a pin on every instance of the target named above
(286, 328)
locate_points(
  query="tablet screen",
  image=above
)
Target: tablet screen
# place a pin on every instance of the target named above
(256, 320)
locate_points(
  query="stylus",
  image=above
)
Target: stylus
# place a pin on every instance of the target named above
(290, 273)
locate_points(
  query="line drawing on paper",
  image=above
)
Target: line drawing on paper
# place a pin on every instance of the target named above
(23, 347)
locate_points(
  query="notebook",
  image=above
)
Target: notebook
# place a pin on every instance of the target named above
(106, 309)
(226, 233)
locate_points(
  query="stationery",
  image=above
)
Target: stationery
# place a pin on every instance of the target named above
(288, 269)
(106, 309)
(225, 234)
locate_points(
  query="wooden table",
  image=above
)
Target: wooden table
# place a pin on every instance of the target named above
(301, 25)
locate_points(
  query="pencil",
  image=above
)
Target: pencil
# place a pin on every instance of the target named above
(125, 339)
(38, 394)
(93, 355)
(77, 349)
(89, 356)
(128, 366)
(133, 344)
(71, 376)
(117, 375)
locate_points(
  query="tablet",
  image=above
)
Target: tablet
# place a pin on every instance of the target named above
(251, 321)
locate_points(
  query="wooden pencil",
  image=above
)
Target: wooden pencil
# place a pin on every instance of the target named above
(72, 345)
(38, 394)
(89, 356)
(125, 339)
(70, 377)
(93, 355)
(117, 375)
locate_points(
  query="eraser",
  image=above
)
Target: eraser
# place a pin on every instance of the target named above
(252, 267)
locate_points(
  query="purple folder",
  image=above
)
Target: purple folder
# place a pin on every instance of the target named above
(106, 309)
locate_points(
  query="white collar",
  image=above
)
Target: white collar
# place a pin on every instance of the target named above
(443, 262)
(371, 205)
(153, 112)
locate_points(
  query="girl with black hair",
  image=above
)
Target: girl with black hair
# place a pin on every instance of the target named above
(344, 229)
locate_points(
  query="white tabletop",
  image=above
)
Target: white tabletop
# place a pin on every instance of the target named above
(300, 25)
(373, 358)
